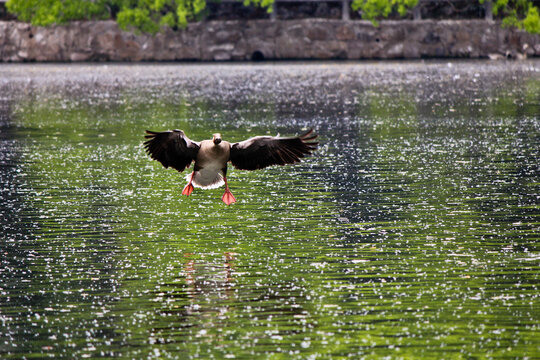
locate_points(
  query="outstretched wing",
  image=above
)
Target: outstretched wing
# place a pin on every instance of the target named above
(171, 148)
(262, 151)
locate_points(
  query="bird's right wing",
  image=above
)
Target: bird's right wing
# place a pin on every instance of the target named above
(171, 148)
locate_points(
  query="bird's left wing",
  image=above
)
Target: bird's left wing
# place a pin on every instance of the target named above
(262, 151)
(171, 148)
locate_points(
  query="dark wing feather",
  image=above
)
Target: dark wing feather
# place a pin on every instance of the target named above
(262, 151)
(171, 148)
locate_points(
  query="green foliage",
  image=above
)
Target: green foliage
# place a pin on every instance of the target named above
(138, 18)
(144, 15)
(47, 12)
(517, 13)
(531, 23)
(150, 16)
(373, 9)
(265, 4)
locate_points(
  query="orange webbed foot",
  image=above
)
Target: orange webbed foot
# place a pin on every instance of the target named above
(228, 197)
(187, 190)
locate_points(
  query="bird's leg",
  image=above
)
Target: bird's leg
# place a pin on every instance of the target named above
(227, 197)
(188, 189)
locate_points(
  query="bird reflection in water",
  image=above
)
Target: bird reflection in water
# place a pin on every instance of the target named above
(209, 282)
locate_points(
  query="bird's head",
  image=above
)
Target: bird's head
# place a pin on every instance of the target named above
(216, 138)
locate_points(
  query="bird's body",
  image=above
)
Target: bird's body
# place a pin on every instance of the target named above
(208, 169)
(175, 149)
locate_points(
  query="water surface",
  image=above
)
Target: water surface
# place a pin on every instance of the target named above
(412, 232)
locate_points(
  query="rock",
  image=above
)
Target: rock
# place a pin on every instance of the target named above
(317, 33)
(395, 51)
(496, 57)
(345, 33)
(328, 50)
(411, 50)
(78, 56)
(227, 36)
(537, 49)
(22, 54)
(129, 50)
(220, 52)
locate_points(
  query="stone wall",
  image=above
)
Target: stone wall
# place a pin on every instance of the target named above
(266, 39)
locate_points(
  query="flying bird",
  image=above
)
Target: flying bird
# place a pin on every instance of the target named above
(173, 148)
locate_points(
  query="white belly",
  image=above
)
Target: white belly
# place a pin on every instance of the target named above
(208, 178)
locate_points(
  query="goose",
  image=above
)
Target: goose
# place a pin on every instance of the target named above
(174, 149)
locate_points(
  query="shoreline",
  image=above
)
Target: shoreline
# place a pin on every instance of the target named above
(268, 40)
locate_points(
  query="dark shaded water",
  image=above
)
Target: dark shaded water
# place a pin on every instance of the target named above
(412, 232)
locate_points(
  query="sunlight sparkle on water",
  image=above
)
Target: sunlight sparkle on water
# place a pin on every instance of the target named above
(412, 232)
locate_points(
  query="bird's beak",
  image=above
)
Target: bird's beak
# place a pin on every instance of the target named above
(217, 139)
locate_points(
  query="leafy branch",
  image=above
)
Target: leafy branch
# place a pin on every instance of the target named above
(150, 16)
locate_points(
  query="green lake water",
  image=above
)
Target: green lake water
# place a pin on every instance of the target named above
(413, 231)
